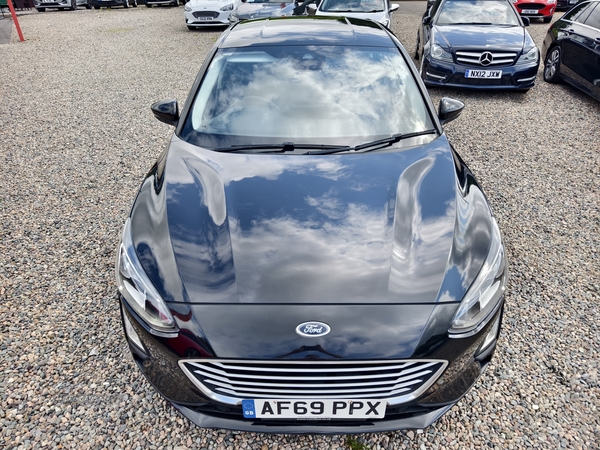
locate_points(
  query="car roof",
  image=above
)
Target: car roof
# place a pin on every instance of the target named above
(307, 31)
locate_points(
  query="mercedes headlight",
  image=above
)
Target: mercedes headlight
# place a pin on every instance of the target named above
(485, 293)
(529, 57)
(139, 292)
(227, 7)
(439, 53)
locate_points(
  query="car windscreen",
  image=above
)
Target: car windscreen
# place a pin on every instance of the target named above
(352, 6)
(305, 94)
(477, 12)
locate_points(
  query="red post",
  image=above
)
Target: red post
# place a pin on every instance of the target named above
(15, 20)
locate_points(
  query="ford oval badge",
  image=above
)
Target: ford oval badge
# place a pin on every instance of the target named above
(313, 329)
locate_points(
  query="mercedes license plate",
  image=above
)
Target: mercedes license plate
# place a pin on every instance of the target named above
(469, 73)
(313, 409)
(530, 11)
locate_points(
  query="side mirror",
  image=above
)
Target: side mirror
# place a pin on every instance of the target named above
(394, 7)
(166, 111)
(426, 20)
(526, 21)
(312, 9)
(449, 109)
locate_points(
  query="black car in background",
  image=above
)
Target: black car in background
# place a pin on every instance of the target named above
(572, 49)
(310, 254)
(562, 5)
(476, 44)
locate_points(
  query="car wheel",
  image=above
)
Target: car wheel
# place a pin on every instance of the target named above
(552, 65)
(134, 3)
(126, 4)
(41, 9)
(88, 5)
(73, 5)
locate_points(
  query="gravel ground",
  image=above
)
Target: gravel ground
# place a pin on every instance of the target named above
(76, 137)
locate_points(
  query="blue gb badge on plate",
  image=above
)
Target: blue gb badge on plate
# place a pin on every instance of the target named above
(248, 409)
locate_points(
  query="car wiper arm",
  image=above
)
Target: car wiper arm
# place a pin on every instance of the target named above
(472, 23)
(374, 145)
(283, 148)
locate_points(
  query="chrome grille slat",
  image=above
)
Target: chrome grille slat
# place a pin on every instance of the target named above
(231, 381)
(239, 385)
(499, 58)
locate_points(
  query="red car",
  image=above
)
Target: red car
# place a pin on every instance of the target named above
(536, 9)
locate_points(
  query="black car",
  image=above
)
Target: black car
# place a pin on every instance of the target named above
(562, 5)
(310, 255)
(572, 49)
(477, 44)
(97, 4)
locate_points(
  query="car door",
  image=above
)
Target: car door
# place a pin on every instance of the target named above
(578, 43)
(591, 66)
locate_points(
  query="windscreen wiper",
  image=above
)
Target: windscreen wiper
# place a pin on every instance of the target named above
(472, 23)
(375, 145)
(282, 148)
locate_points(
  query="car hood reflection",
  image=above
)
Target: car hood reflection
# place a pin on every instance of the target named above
(374, 227)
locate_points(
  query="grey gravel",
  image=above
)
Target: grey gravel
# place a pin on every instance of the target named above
(76, 137)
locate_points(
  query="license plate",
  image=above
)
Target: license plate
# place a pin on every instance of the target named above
(206, 18)
(313, 409)
(529, 11)
(469, 73)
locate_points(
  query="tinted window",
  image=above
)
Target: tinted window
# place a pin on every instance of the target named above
(593, 20)
(307, 94)
(579, 12)
(464, 12)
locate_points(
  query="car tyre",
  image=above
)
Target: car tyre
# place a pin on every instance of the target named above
(73, 5)
(88, 4)
(134, 4)
(126, 4)
(552, 65)
(41, 9)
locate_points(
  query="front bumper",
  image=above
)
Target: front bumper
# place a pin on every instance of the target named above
(206, 18)
(108, 3)
(546, 12)
(440, 73)
(158, 358)
(58, 4)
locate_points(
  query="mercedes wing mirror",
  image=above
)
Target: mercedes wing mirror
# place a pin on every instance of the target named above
(166, 111)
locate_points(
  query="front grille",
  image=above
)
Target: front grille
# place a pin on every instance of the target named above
(499, 58)
(534, 6)
(203, 14)
(231, 381)
(457, 78)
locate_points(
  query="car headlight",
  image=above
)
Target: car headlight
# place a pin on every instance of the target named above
(438, 52)
(529, 57)
(139, 292)
(227, 7)
(485, 293)
(187, 8)
(233, 17)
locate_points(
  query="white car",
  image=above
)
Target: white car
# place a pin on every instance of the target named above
(203, 13)
(376, 10)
